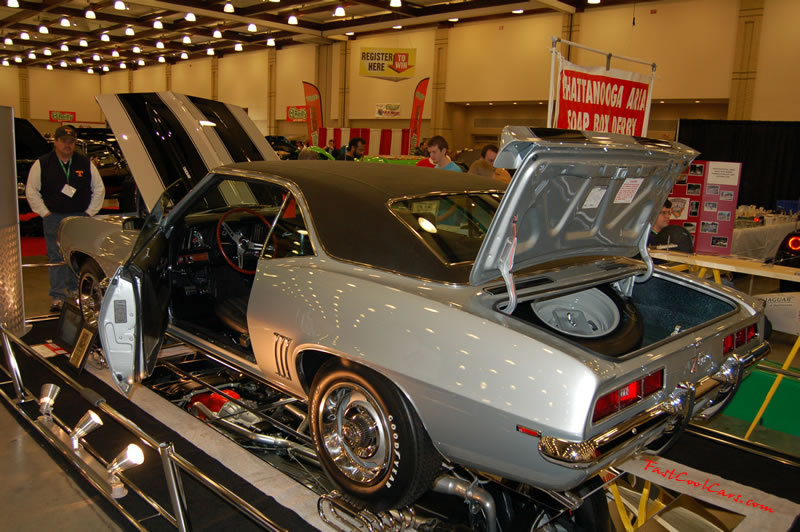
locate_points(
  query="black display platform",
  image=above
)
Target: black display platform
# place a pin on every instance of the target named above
(206, 510)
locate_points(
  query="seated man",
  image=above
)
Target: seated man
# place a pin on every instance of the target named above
(669, 237)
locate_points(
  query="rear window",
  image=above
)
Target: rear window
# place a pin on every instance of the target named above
(452, 225)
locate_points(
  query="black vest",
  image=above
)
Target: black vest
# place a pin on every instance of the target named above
(54, 179)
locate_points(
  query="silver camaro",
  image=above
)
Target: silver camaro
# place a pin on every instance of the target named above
(423, 316)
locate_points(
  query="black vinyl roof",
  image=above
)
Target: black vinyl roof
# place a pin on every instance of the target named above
(349, 209)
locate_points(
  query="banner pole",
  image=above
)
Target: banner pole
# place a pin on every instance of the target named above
(553, 52)
(646, 124)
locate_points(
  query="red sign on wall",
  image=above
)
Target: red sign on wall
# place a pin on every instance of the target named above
(596, 99)
(296, 113)
(62, 116)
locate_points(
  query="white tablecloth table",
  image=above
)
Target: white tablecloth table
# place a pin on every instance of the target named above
(760, 242)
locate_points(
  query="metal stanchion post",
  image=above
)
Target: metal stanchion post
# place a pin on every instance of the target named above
(13, 368)
(175, 486)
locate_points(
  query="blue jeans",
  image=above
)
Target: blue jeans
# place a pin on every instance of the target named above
(62, 279)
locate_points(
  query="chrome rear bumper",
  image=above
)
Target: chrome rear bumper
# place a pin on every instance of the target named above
(704, 398)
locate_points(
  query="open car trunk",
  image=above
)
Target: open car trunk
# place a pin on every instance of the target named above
(603, 319)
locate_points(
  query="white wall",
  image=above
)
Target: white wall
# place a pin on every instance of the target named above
(243, 79)
(295, 64)
(775, 94)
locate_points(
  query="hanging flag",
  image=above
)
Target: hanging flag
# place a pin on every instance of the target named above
(596, 99)
(416, 114)
(314, 116)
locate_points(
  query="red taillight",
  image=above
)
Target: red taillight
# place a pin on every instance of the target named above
(756, 219)
(741, 337)
(727, 344)
(794, 243)
(606, 405)
(529, 432)
(751, 332)
(653, 382)
(627, 395)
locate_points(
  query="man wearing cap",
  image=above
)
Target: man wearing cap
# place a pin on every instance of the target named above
(63, 183)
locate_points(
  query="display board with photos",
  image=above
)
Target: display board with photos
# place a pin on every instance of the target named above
(704, 203)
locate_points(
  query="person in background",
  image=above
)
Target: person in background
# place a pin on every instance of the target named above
(484, 168)
(489, 153)
(331, 147)
(437, 149)
(63, 183)
(355, 149)
(662, 221)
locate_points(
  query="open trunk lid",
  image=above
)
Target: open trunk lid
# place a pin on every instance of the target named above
(575, 194)
(167, 137)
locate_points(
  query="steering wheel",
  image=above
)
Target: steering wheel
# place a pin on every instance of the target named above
(243, 245)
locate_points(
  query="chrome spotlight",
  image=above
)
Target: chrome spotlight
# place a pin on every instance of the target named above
(47, 399)
(132, 456)
(87, 424)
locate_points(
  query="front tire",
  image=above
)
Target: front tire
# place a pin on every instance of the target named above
(369, 440)
(91, 289)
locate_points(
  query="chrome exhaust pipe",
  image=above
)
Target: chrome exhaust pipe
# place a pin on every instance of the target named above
(472, 494)
(308, 454)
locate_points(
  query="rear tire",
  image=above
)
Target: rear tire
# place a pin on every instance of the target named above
(91, 290)
(369, 440)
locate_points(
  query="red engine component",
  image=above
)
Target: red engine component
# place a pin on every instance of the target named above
(214, 401)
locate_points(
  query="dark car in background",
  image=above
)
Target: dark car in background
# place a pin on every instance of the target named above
(788, 254)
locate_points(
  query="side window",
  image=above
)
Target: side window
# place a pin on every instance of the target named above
(290, 235)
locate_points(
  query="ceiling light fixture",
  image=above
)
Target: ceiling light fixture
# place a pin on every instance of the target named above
(105, 37)
(350, 33)
(31, 55)
(190, 17)
(47, 52)
(339, 12)
(78, 60)
(140, 62)
(43, 30)
(395, 3)
(105, 68)
(6, 63)
(12, 4)
(593, 1)
(8, 41)
(49, 66)
(210, 51)
(114, 53)
(452, 20)
(187, 39)
(137, 50)
(292, 20)
(217, 34)
(158, 25)
(252, 27)
(63, 64)
(159, 44)
(96, 57)
(238, 47)
(397, 27)
(518, 11)
(119, 5)
(161, 59)
(17, 59)
(24, 36)
(129, 31)
(228, 7)
(64, 47)
(90, 70)
(83, 42)
(184, 55)
(64, 22)
(270, 42)
(89, 13)
(123, 65)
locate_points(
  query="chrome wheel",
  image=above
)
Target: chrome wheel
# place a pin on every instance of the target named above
(355, 432)
(91, 287)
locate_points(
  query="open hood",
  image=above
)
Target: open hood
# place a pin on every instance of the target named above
(167, 137)
(575, 193)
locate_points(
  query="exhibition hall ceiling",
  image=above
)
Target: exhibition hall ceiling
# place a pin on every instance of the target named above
(107, 35)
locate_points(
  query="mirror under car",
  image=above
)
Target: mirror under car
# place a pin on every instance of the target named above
(134, 222)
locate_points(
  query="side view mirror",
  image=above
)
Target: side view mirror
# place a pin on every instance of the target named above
(133, 223)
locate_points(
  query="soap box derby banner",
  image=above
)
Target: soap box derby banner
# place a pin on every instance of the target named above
(379, 141)
(600, 99)
(388, 63)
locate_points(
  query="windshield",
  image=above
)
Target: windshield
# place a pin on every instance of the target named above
(452, 225)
